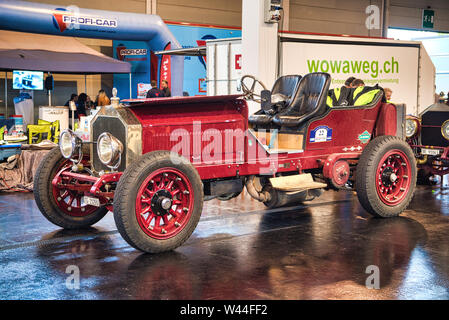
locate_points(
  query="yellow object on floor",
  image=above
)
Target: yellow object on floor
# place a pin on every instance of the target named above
(2, 131)
(38, 130)
(42, 127)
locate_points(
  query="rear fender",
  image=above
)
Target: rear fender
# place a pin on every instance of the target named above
(391, 120)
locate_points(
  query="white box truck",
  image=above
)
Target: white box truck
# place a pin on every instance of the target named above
(403, 66)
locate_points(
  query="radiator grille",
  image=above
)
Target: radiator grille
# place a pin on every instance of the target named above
(114, 126)
(431, 136)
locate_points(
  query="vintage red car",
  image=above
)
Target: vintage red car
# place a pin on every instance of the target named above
(153, 162)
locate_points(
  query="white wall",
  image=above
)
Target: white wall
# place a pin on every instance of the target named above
(332, 16)
(215, 12)
(135, 6)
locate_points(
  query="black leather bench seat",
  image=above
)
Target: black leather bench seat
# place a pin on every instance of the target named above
(285, 85)
(309, 101)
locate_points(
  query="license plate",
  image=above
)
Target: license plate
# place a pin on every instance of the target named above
(430, 152)
(91, 201)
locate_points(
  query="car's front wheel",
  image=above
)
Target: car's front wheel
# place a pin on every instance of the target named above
(158, 202)
(60, 204)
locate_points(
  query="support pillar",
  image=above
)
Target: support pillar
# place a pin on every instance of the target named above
(259, 45)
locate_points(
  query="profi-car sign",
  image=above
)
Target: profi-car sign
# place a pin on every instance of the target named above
(71, 19)
(123, 52)
(390, 64)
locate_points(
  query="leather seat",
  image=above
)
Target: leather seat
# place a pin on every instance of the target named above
(285, 85)
(309, 101)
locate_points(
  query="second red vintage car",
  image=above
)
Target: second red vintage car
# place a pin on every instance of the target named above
(153, 162)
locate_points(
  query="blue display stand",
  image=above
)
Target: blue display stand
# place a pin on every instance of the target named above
(8, 150)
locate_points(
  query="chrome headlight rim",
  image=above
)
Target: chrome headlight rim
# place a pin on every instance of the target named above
(415, 123)
(116, 150)
(75, 142)
(443, 126)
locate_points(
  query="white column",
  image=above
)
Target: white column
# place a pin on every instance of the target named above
(151, 6)
(385, 15)
(259, 45)
(285, 22)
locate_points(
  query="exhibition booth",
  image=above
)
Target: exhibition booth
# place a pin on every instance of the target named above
(31, 59)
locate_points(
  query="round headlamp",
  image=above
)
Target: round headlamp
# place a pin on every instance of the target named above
(411, 127)
(109, 150)
(69, 144)
(445, 129)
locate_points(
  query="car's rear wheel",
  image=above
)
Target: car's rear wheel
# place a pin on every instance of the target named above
(61, 206)
(158, 202)
(386, 176)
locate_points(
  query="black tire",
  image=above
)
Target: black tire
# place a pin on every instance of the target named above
(366, 176)
(125, 201)
(43, 195)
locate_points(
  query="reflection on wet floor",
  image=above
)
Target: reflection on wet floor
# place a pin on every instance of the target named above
(240, 250)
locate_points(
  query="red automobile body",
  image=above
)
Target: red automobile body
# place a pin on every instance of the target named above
(200, 120)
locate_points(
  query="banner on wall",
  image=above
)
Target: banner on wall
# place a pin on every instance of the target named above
(165, 67)
(394, 67)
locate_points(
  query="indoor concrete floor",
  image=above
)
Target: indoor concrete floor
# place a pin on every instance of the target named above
(239, 250)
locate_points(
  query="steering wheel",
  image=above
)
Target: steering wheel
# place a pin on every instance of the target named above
(249, 91)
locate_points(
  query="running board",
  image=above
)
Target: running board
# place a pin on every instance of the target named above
(299, 182)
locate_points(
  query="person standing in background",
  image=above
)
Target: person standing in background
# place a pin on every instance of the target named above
(154, 92)
(165, 88)
(89, 104)
(73, 97)
(81, 106)
(102, 99)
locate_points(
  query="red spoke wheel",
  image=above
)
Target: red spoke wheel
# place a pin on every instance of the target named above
(158, 202)
(61, 206)
(393, 177)
(164, 203)
(386, 176)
